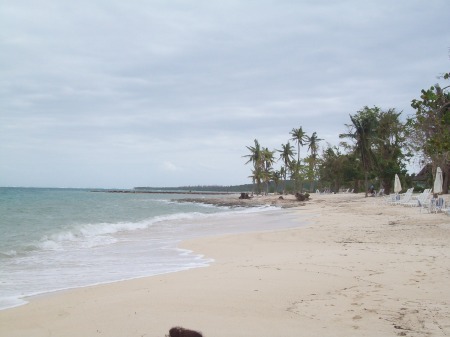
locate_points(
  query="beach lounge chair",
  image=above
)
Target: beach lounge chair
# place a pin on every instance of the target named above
(434, 205)
(427, 206)
(439, 205)
(445, 208)
(424, 206)
(417, 201)
(389, 199)
(406, 197)
(401, 198)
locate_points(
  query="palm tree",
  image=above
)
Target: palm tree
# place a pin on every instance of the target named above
(296, 175)
(255, 153)
(255, 157)
(257, 176)
(267, 160)
(313, 142)
(300, 137)
(313, 148)
(283, 171)
(287, 156)
(276, 177)
(363, 131)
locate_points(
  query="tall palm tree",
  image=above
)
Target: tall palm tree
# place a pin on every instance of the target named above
(283, 176)
(363, 131)
(267, 160)
(255, 157)
(287, 156)
(313, 142)
(313, 147)
(301, 138)
(255, 153)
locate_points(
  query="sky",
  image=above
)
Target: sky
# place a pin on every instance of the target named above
(119, 94)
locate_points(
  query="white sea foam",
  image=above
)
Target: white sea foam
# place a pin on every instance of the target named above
(99, 234)
(8, 254)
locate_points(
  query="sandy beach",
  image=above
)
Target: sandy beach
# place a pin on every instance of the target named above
(360, 268)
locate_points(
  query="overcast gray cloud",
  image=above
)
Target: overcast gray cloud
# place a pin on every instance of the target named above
(168, 93)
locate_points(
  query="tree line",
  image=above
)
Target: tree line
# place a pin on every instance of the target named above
(375, 145)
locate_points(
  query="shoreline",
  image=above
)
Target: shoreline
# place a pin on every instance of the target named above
(360, 268)
(156, 242)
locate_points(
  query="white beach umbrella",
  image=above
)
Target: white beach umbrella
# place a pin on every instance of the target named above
(437, 188)
(397, 184)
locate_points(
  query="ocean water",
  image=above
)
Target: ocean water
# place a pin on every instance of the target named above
(55, 239)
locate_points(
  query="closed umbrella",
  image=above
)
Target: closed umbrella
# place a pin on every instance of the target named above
(397, 184)
(437, 188)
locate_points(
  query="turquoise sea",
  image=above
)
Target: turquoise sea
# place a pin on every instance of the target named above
(54, 239)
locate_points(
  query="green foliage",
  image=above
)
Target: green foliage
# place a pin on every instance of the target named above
(429, 128)
(390, 147)
(363, 131)
(378, 140)
(262, 159)
(376, 146)
(338, 170)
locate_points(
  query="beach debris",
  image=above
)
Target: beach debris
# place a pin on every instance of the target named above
(178, 331)
(302, 196)
(244, 196)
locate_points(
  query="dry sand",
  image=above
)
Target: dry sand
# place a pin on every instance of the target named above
(361, 268)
